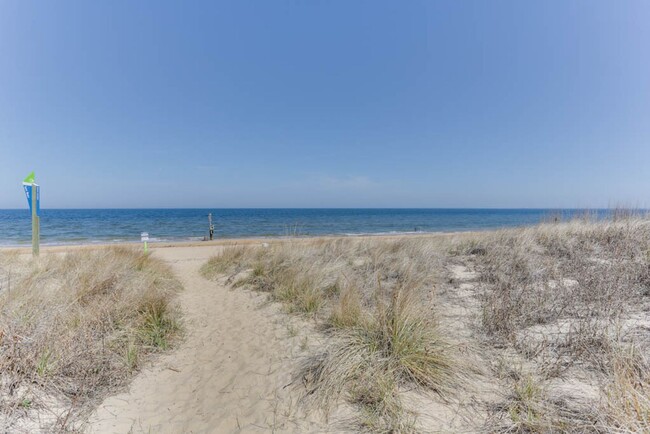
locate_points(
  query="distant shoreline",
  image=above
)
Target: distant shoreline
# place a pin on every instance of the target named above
(236, 241)
(111, 226)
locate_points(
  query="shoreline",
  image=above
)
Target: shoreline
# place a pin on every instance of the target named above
(75, 227)
(236, 241)
(273, 239)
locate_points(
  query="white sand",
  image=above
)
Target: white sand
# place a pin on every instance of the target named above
(229, 373)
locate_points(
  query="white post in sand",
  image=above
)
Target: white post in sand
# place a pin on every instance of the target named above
(144, 237)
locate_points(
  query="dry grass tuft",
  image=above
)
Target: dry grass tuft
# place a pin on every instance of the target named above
(381, 406)
(74, 327)
(223, 263)
(348, 310)
(627, 396)
(530, 407)
(398, 345)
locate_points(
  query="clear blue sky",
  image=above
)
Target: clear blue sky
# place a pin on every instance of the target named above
(326, 103)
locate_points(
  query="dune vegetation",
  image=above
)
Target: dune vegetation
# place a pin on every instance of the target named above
(375, 298)
(75, 327)
(538, 329)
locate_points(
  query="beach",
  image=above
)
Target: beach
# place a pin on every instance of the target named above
(269, 335)
(233, 370)
(324, 217)
(229, 375)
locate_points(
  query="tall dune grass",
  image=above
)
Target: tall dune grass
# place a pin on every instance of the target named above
(566, 300)
(375, 299)
(74, 327)
(573, 298)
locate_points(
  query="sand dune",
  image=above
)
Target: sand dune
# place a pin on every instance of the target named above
(508, 308)
(229, 375)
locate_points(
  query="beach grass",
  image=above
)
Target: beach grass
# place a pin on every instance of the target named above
(370, 297)
(76, 326)
(572, 300)
(562, 307)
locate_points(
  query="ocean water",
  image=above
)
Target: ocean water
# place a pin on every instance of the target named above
(85, 226)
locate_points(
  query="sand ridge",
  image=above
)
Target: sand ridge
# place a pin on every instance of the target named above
(231, 372)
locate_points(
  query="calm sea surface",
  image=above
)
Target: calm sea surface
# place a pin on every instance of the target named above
(80, 226)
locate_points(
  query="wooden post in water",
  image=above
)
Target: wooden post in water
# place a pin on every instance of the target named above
(211, 226)
(35, 222)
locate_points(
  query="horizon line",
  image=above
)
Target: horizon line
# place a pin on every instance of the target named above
(338, 208)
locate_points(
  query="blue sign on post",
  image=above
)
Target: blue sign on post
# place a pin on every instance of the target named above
(28, 192)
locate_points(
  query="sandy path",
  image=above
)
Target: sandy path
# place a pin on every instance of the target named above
(229, 373)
